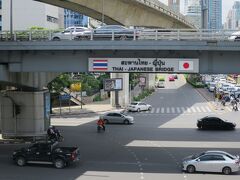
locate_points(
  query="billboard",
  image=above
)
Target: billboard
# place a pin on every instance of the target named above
(115, 84)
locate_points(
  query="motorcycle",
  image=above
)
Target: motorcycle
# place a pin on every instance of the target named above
(100, 128)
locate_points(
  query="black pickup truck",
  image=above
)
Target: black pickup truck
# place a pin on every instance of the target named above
(46, 153)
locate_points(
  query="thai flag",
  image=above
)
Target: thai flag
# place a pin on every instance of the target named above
(100, 65)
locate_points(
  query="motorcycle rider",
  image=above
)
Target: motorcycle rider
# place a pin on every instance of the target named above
(101, 123)
(53, 133)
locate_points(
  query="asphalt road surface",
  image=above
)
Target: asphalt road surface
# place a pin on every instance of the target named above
(152, 148)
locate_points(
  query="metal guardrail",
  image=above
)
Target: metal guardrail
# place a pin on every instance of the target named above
(137, 34)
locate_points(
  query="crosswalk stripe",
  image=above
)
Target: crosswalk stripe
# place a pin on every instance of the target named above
(168, 110)
(152, 111)
(208, 109)
(229, 109)
(198, 109)
(193, 109)
(188, 110)
(162, 110)
(178, 110)
(203, 109)
(183, 109)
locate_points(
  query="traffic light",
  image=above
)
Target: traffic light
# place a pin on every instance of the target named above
(17, 109)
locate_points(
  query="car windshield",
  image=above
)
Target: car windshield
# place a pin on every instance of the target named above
(197, 155)
(134, 103)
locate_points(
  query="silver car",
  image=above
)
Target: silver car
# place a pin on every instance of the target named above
(211, 161)
(118, 117)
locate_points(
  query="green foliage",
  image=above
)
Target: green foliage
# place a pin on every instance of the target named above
(144, 94)
(101, 79)
(97, 98)
(133, 79)
(59, 83)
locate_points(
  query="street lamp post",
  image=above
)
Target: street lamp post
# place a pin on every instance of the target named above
(102, 12)
(11, 20)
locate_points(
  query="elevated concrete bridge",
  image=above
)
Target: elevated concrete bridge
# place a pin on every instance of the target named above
(146, 13)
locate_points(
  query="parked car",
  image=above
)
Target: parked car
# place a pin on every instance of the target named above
(209, 122)
(175, 76)
(235, 36)
(108, 31)
(171, 78)
(160, 84)
(46, 153)
(139, 106)
(117, 117)
(70, 33)
(212, 86)
(211, 161)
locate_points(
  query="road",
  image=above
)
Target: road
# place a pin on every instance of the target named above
(150, 149)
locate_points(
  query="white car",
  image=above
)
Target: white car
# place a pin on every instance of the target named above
(139, 106)
(211, 161)
(70, 33)
(235, 36)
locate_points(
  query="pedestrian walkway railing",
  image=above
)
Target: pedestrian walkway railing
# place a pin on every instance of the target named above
(130, 34)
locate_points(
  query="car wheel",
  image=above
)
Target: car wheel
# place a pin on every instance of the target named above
(226, 170)
(56, 39)
(59, 163)
(126, 121)
(123, 37)
(21, 161)
(106, 121)
(191, 169)
(138, 110)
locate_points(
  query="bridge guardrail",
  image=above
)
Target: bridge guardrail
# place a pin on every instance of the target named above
(134, 34)
(165, 9)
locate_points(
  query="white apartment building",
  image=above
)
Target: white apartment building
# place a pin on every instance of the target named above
(29, 13)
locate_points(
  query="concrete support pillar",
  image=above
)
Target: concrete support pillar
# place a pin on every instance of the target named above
(24, 113)
(150, 80)
(124, 94)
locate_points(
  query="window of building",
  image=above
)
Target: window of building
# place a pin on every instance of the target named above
(52, 19)
(0, 4)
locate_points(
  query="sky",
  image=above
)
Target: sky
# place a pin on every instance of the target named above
(226, 6)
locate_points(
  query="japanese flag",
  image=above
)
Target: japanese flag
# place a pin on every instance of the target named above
(186, 65)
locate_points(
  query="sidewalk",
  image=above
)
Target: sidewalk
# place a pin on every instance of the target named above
(96, 107)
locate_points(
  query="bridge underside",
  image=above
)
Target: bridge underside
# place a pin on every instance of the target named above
(124, 12)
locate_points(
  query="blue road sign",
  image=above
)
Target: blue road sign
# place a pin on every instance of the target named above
(64, 97)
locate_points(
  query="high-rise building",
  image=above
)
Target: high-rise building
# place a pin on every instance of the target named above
(192, 10)
(174, 4)
(236, 15)
(211, 14)
(29, 13)
(72, 18)
(233, 18)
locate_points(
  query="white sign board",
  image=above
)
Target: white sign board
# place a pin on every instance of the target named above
(151, 65)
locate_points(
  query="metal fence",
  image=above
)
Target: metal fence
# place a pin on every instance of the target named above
(136, 35)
